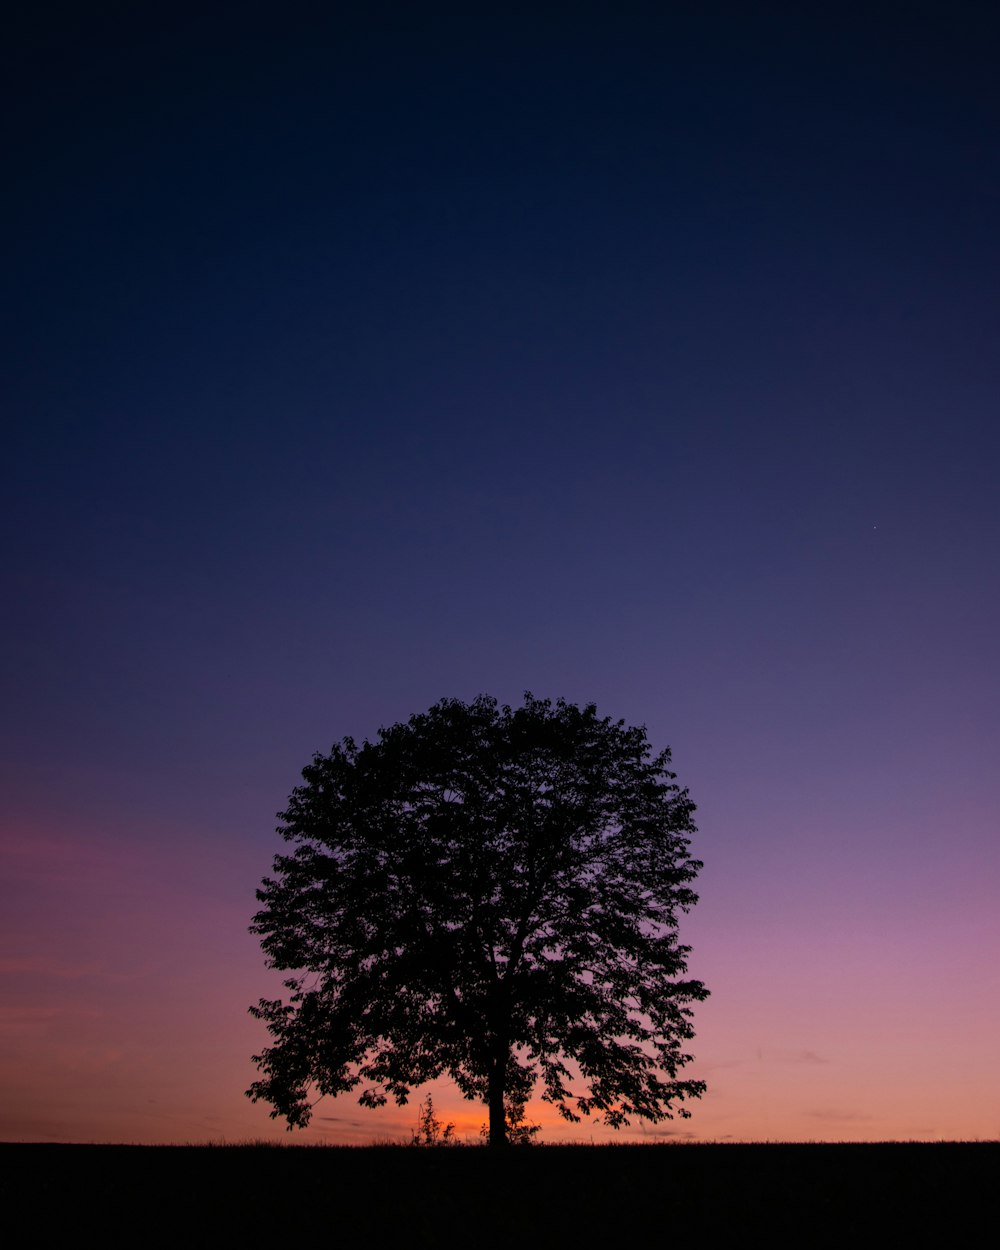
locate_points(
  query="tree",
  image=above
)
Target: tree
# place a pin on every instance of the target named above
(488, 893)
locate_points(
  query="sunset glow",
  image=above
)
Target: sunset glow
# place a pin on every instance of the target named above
(647, 360)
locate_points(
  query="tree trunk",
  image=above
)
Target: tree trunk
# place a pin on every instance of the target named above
(498, 1111)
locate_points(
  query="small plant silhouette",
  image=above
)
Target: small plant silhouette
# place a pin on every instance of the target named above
(430, 1131)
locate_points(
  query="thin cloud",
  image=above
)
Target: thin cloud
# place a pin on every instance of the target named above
(809, 1056)
(18, 1021)
(838, 1117)
(791, 1056)
(42, 966)
(685, 1134)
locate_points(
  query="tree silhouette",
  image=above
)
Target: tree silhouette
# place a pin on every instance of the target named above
(488, 893)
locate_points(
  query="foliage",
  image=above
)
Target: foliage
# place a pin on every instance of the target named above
(488, 893)
(520, 1132)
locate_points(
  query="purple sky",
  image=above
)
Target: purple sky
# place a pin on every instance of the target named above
(648, 359)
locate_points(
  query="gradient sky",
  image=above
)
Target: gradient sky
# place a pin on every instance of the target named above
(647, 357)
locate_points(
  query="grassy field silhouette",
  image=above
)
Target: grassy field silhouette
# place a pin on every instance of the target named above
(547, 1196)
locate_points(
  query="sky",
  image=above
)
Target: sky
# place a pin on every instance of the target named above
(361, 356)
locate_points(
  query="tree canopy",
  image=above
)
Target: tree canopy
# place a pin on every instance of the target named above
(486, 893)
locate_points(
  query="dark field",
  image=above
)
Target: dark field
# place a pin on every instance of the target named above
(219, 1196)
